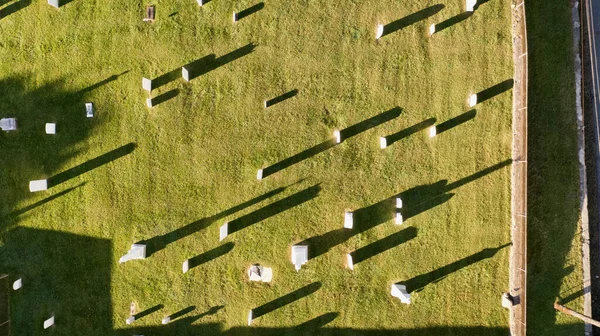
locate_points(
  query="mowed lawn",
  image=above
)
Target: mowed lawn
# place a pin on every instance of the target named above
(171, 175)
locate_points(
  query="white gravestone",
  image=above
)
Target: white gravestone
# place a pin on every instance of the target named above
(49, 323)
(166, 320)
(200, 2)
(383, 142)
(186, 266)
(470, 5)
(137, 251)
(18, 284)
(89, 110)
(379, 32)
(149, 102)
(8, 124)
(432, 29)
(250, 317)
(130, 319)
(223, 231)
(50, 128)
(299, 256)
(399, 219)
(349, 261)
(147, 84)
(473, 100)
(338, 136)
(234, 17)
(54, 3)
(259, 273)
(432, 131)
(259, 174)
(38, 185)
(400, 292)
(185, 74)
(348, 220)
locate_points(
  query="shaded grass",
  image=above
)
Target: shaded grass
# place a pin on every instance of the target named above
(196, 155)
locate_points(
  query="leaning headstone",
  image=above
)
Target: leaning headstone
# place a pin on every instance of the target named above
(49, 323)
(149, 102)
(338, 136)
(166, 320)
(379, 32)
(470, 5)
(38, 185)
(473, 100)
(185, 74)
(432, 29)
(130, 319)
(250, 317)
(348, 220)
(186, 266)
(137, 251)
(223, 231)
(54, 3)
(400, 292)
(147, 84)
(432, 131)
(383, 142)
(349, 261)
(18, 284)
(259, 174)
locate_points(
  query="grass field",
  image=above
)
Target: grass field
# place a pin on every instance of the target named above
(173, 174)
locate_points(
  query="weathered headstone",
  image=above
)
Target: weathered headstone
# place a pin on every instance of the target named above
(49, 323)
(185, 74)
(18, 284)
(348, 220)
(38, 185)
(223, 231)
(259, 273)
(54, 3)
(147, 84)
(50, 128)
(379, 32)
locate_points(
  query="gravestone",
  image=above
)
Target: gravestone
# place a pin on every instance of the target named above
(54, 3)
(50, 128)
(383, 142)
(259, 273)
(349, 261)
(186, 266)
(38, 185)
(399, 220)
(470, 5)
(149, 102)
(185, 74)
(234, 17)
(338, 136)
(432, 29)
(166, 320)
(150, 14)
(299, 256)
(8, 124)
(49, 323)
(147, 84)
(348, 220)
(259, 174)
(18, 284)
(137, 251)
(200, 2)
(379, 32)
(130, 319)
(432, 131)
(473, 100)
(250, 317)
(89, 110)
(400, 292)
(223, 231)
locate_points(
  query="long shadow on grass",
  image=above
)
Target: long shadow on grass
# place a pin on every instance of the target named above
(553, 176)
(411, 19)
(102, 83)
(148, 311)
(285, 300)
(452, 21)
(182, 312)
(417, 283)
(345, 134)
(209, 63)
(210, 255)
(274, 209)
(249, 11)
(13, 8)
(164, 97)
(281, 98)
(415, 201)
(91, 164)
(23, 210)
(405, 133)
(383, 245)
(158, 243)
(458, 120)
(316, 323)
(495, 90)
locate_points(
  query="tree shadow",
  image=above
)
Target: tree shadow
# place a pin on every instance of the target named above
(452, 21)
(210, 255)
(102, 83)
(419, 282)
(13, 8)
(495, 90)
(249, 11)
(415, 201)
(411, 19)
(148, 311)
(209, 63)
(164, 97)
(285, 300)
(182, 312)
(273, 209)
(451, 123)
(345, 134)
(383, 245)
(281, 98)
(158, 243)
(91, 164)
(390, 139)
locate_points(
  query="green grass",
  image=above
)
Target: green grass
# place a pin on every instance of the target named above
(554, 229)
(196, 156)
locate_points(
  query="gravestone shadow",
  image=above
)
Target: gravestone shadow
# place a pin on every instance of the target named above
(250, 10)
(285, 300)
(411, 19)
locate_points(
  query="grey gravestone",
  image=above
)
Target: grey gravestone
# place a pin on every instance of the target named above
(147, 84)
(54, 3)
(185, 74)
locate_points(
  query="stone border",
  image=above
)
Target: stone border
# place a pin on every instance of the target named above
(518, 250)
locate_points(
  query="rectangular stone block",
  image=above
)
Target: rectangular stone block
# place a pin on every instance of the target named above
(185, 74)
(147, 84)
(54, 3)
